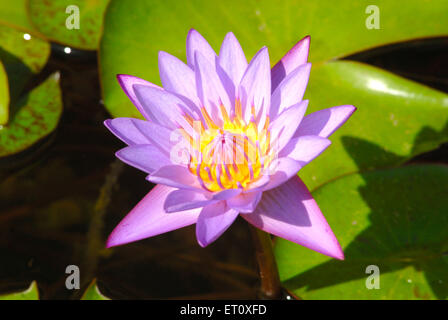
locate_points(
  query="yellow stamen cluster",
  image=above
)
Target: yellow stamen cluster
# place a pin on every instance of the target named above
(231, 154)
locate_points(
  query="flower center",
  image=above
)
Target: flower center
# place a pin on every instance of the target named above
(230, 155)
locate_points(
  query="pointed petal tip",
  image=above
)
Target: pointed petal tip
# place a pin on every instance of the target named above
(348, 109)
(230, 34)
(332, 248)
(264, 49)
(192, 31)
(124, 75)
(163, 55)
(202, 244)
(201, 239)
(120, 77)
(112, 240)
(213, 221)
(304, 42)
(116, 239)
(341, 256)
(352, 110)
(109, 244)
(336, 253)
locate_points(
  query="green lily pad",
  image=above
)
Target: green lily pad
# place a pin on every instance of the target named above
(22, 55)
(4, 95)
(393, 113)
(51, 18)
(29, 294)
(93, 293)
(394, 219)
(31, 51)
(33, 117)
(133, 34)
(14, 14)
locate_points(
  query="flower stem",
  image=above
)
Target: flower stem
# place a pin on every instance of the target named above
(95, 241)
(270, 287)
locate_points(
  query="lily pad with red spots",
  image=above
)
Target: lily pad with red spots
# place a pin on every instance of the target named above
(32, 118)
(57, 21)
(22, 55)
(14, 14)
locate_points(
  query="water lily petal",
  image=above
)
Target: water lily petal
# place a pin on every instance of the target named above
(126, 131)
(285, 125)
(145, 157)
(324, 122)
(175, 176)
(281, 170)
(291, 90)
(148, 219)
(197, 43)
(167, 109)
(213, 220)
(231, 66)
(259, 184)
(290, 212)
(305, 148)
(255, 88)
(232, 59)
(210, 89)
(226, 194)
(245, 202)
(177, 77)
(295, 57)
(157, 134)
(126, 82)
(180, 200)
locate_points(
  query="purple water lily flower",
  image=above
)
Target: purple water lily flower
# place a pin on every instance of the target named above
(224, 138)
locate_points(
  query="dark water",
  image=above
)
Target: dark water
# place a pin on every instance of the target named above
(60, 199)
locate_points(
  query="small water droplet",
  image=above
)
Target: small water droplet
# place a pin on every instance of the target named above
(26, 36)
(67, 50)
(57, 75)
